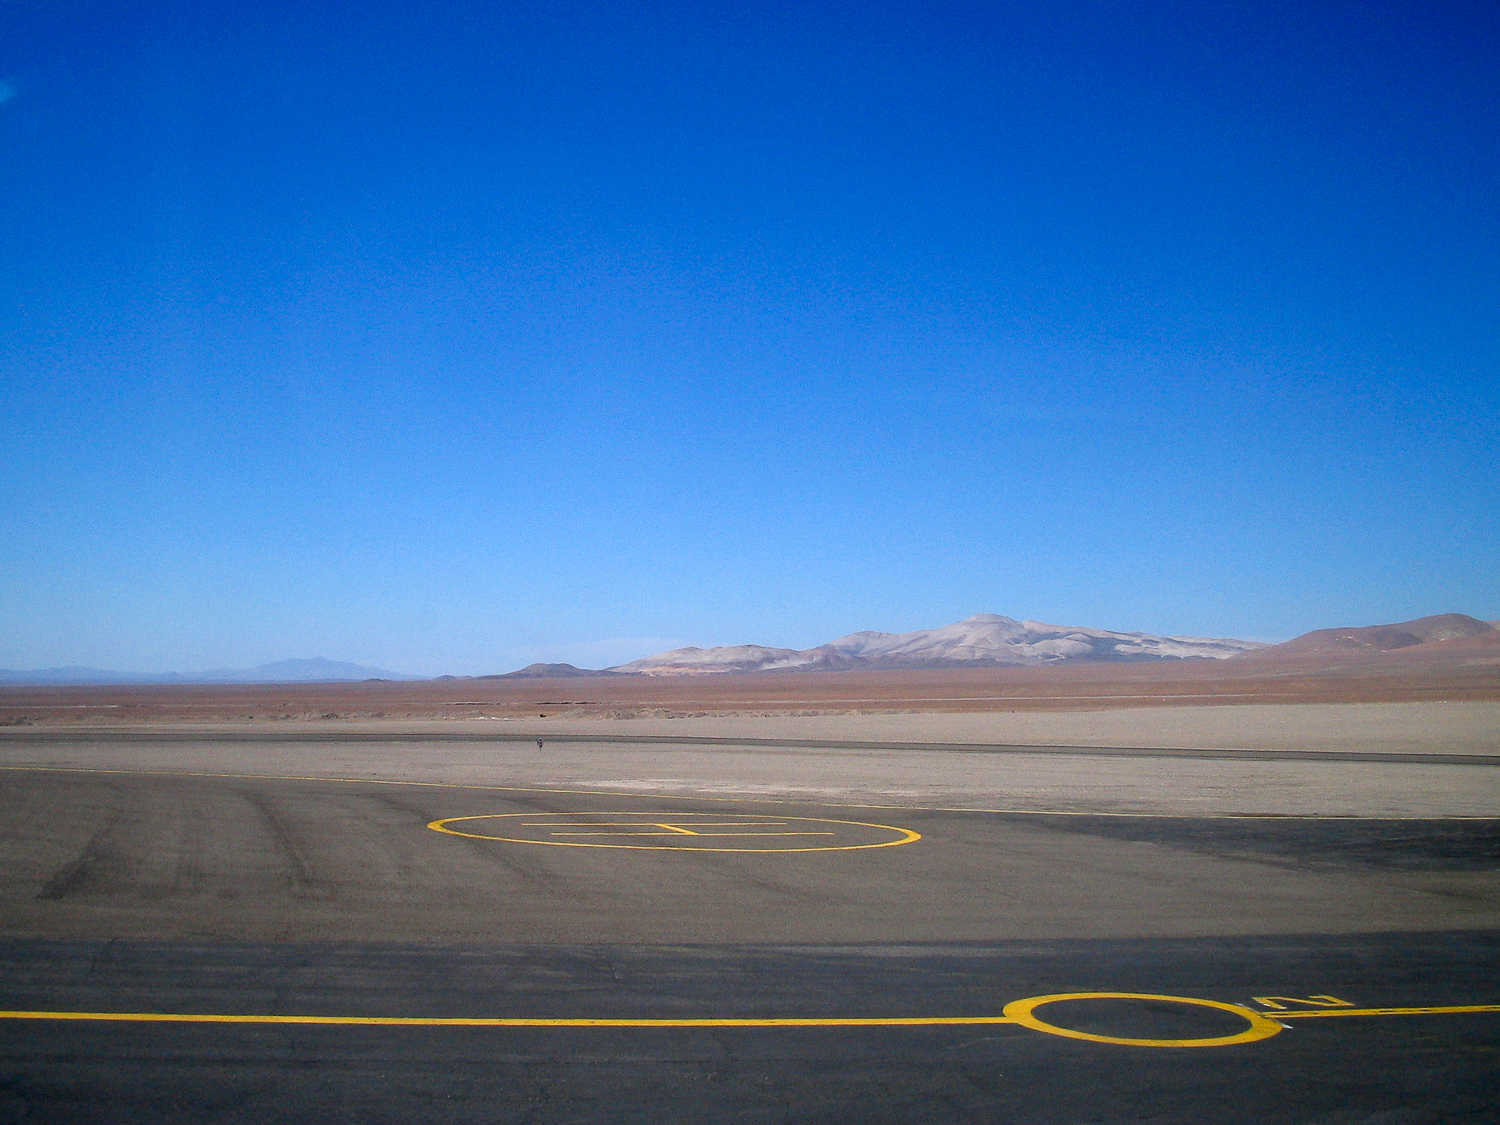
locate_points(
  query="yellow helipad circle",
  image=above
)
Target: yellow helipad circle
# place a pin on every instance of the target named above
(1021, 1012)
(679, 831)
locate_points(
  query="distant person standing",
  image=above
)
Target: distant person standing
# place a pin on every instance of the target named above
(539, 744)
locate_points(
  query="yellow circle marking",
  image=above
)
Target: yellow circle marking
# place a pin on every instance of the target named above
(1022, 1012)
(675, 826)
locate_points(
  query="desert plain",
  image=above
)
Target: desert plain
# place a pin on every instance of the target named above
(1293, 737)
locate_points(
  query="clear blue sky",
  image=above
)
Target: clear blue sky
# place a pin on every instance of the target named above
(449, 336)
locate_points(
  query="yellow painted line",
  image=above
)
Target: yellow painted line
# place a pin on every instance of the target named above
(744, 800)
(444, 1021)
(1022, 1013)
(1443, 1010)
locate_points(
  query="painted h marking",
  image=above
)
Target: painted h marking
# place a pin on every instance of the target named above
(1317, 1000)
(668, 828)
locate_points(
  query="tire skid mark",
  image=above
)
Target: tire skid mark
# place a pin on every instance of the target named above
(300, 877)
(76, 876)
(90, 870)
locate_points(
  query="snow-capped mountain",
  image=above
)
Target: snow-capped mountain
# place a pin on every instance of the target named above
(981, 640)
(741, 658)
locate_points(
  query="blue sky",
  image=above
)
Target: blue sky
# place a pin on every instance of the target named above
(448, 337)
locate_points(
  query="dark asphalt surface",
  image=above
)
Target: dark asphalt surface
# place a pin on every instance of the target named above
(1370, 1069)
(265, 896)
(1413, 845)
(180, 857)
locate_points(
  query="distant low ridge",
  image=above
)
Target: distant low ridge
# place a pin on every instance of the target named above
(547, 672)
(986, 639)
(314, 670)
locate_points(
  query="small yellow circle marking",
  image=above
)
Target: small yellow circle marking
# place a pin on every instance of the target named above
(1023, 1013)
(680, 832)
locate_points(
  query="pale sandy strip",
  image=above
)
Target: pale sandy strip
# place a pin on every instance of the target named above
(718, 800)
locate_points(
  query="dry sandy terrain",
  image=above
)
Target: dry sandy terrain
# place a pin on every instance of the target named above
(1391, 727)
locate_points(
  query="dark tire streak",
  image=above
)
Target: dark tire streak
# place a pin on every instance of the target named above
(299, 874)
(75, 877)
(96, 861)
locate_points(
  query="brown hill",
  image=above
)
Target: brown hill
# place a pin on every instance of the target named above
(1426, 638)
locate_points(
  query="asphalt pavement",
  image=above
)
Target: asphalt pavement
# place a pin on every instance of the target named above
(1384, 1062)
(180, 947)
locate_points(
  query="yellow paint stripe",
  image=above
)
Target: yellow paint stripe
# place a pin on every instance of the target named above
(1449, 1009)
(543, 1023)
(745, 800)
(443, 1021)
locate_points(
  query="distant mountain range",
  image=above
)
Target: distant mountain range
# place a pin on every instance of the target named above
(312, 671)
(989, 640)
(984, 640)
